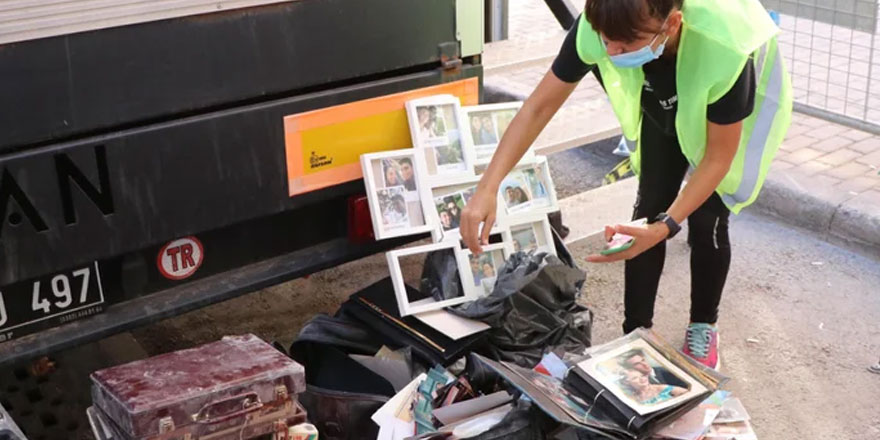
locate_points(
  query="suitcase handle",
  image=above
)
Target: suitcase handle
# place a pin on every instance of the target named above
(250, 402)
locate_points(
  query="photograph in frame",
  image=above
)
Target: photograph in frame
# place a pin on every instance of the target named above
(531, 233)
(394, 193)
(408, 263)
(515, 192)
(641, 377)
(484, 268)
(485, 125)
(447, 202)
(435, 128)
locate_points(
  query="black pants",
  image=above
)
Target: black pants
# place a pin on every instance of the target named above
(663, 167)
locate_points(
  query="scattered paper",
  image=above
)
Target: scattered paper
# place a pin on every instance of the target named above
(732, 411)
(395, 416)
(821, 325)
(753, 341)
(731, 431)
(451, 325)
(694, 423)
(818, 263)
(551, 365)
(469, 408)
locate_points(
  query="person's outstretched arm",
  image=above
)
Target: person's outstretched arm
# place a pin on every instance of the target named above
(537, 110)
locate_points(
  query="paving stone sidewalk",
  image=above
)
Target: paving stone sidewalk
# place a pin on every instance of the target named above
(826, 177)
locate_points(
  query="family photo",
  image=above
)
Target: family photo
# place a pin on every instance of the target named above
(396, 184)
(525, 238)
(393, 207)
(515, 192)
(641, 377)
(432, 122)
(484, 269)
(483, 128)
(449, 209)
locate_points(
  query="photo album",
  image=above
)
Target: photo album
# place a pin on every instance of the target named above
(642, 382)
(425, 189)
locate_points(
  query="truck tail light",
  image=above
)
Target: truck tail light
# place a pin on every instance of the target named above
(360, 223)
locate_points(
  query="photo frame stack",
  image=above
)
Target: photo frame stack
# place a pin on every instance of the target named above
(424, 189)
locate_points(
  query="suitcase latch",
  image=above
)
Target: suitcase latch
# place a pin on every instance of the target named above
(281, 393)
(166, 425)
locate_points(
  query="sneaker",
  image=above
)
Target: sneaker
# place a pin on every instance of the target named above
(701, 343)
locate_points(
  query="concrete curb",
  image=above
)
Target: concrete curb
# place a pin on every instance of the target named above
(852, 221)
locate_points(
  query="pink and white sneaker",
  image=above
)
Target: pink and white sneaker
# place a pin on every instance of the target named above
(701, 343)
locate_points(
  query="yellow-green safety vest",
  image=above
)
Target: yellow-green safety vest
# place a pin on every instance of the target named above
(717, 38)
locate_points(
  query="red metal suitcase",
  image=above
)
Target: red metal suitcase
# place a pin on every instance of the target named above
(237, 388)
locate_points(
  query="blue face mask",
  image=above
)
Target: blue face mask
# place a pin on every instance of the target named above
(640, 57)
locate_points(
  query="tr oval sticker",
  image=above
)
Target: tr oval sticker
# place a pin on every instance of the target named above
(181, 258)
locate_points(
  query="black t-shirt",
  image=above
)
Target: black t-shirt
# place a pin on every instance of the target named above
(659, 94)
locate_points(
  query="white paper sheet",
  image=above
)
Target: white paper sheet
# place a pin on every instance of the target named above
(451, 325)
(391, 425)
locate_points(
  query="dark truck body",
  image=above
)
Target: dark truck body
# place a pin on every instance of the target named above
(116, 141)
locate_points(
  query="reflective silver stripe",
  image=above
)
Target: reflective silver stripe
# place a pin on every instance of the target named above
(630, 145)
(758, 139)
(759, 65)
(715, 232)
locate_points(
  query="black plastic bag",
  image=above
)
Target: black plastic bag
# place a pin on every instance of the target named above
(532, 309)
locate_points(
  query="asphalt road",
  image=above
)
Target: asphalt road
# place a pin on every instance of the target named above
(798, 322)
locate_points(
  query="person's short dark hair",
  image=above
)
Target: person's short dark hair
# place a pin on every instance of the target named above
(623, 20)
(623, 359)
(405, 160)
(448, 199)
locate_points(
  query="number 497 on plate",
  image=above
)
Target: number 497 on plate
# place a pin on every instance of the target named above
(47, 301)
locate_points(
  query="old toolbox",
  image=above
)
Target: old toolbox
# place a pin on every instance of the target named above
(238, 381)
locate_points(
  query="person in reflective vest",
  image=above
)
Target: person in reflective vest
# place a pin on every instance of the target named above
(700, 89)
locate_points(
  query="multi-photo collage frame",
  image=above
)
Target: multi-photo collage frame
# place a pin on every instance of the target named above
(426, 188)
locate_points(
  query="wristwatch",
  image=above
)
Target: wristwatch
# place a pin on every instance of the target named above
(673, 226)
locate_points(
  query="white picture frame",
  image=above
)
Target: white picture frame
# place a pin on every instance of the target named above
(435, 124)
(484, 127)
(529, 189)
(457, 190)
(388, 220)
(479, 281)
(428, 304)
(530, 233)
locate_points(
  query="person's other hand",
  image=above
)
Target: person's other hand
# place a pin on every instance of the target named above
(646, 237)
(481, 209)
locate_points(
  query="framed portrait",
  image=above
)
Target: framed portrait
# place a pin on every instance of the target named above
(435, 127)
(530, 233)
(394, 192)
(485, 125)
(410, 261)
(641, 377)
(529, 189)
(445, 203)
(483, 269)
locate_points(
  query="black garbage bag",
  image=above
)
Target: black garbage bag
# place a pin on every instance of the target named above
(532, 309)
(440, 279)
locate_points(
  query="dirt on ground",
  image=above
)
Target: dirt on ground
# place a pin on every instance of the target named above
(799, 324)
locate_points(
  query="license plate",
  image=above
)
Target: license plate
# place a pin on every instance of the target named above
(32, 305)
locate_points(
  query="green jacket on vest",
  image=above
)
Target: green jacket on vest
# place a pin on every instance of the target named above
(717, 38)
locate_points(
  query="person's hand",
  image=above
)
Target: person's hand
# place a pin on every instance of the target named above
(480, 209)
(646, 237)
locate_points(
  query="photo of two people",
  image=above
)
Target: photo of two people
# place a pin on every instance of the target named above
(484, 269)
(449, 207)
(438, 131)
(396, 186)
(637, 374)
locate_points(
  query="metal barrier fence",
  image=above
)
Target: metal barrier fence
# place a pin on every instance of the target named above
(831, 51)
